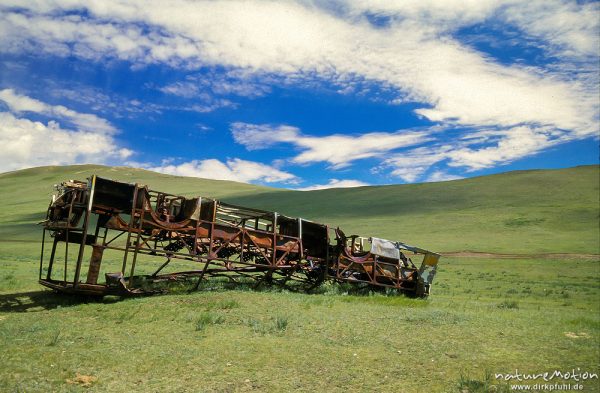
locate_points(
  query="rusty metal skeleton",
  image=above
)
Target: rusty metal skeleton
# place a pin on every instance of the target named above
(134, 235)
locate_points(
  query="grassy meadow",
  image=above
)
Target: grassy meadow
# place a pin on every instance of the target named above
(534, 312)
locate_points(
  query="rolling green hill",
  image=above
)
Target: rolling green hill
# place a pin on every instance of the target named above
(539, 211)
(486, 315)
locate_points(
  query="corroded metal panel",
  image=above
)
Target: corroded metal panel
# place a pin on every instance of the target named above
(213, 238)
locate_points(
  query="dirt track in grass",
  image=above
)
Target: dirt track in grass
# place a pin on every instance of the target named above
(475, 254)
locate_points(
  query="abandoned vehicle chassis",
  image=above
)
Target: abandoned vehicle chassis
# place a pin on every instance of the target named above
(90, 219)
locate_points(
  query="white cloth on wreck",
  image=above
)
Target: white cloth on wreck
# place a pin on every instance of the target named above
(385, 248)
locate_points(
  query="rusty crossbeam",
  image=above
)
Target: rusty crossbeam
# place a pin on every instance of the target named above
(104, 219)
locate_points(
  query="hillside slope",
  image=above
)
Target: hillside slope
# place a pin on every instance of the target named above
(535, 211)
(25, 194)
(540, 211)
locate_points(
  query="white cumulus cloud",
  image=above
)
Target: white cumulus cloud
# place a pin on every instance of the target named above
(416, 52)
(337, 149)
(27, 143)
(233, 169)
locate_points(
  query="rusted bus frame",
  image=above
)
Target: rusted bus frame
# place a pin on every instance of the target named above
(220, 263)
(189, 256)
(137, 239)
(82, 288)
(139, 214)
(86, 221)
(67, 228)
(42, 254)
(52, 257)
(131, 222)
(226, 242)
(213, 223)
(211, 261)
(248, 272)
(374, 275)
(44, 230)
(274, 240)
(244, 233)
(284, 256)
(67, 238)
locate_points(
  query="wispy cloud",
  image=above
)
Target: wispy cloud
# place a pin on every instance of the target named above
(337, 149)
(567, 27)
(499, 112)
(335, 183)
(85, 121)
(29, 143)
(210, 105)
(102, 101)
(411, 165)
(423, 61)
(235, 82)
(214, 90)
(512, 144)
(233, 169)
(437, 176)
(408, 154)
(475, 150)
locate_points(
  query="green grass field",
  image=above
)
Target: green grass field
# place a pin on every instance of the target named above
(490, 315)
(524, 212)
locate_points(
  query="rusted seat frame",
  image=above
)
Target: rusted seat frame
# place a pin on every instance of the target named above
(201, 240)
(279, 258)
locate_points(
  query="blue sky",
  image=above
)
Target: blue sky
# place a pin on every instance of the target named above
(301, 94)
